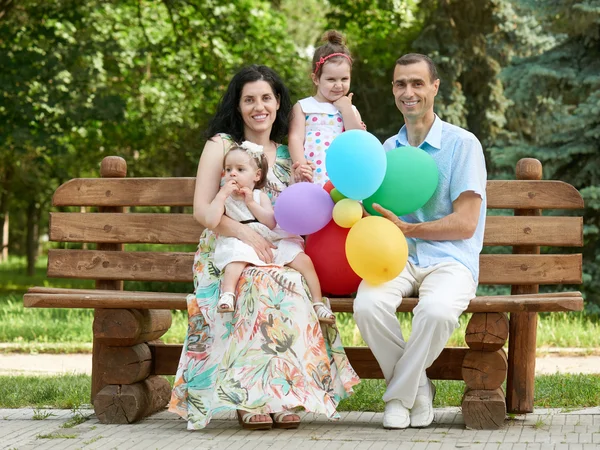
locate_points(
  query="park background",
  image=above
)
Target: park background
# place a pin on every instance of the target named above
(141, 79)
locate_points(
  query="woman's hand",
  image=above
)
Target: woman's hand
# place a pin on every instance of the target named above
(303, 172)
(261, 246)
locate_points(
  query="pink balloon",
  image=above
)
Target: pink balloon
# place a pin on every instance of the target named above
(303, 208)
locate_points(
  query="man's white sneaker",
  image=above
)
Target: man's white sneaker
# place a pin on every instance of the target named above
(421, 414)
(396, 416)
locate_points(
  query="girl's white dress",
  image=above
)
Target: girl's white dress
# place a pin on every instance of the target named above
(230, 249)
(323, 123)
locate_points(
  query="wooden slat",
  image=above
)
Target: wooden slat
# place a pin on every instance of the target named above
(183, 229)
(125, 228)
(509, 194)
(177, 266)
(446, 367)
(530, 230)
(97, 265)
(89, 298)
(530, 269)
(126, 192)
(532, 194)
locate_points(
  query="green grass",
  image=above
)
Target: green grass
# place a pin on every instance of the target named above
(61, 391)
(72, 391)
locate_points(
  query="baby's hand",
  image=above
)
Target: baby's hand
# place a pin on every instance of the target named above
(247, 193)
(230, 187)
(344, 102)
(303, 172)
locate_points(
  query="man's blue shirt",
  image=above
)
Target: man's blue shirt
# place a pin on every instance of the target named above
(461, 167)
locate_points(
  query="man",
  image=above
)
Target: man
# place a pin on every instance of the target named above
(444, 238)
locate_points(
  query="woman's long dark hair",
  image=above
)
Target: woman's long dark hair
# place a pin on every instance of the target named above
(228, 119)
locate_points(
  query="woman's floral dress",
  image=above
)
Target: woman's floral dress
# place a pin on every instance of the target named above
(271, 354)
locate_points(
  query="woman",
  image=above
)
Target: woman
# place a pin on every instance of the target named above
(269, 356)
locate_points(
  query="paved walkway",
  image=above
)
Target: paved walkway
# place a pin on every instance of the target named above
(543, 430)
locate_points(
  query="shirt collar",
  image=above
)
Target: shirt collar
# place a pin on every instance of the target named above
(433, 138)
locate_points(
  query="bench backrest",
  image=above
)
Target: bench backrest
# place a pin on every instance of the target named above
(115, 227)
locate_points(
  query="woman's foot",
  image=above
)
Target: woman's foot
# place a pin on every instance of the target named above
(286, 419)
(226, 302)
(253, 421)
(324, 314)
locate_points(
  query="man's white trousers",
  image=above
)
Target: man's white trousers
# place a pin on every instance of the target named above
(444, 292)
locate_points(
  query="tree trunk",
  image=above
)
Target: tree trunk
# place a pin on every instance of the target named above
(32, 237)
(4, 201)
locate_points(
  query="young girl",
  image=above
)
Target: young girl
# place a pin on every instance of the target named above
(241, 199)
(317, 120)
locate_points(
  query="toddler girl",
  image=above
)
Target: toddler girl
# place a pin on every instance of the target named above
(241, 199)
(317, 120)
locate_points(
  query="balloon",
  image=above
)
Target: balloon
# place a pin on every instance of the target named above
(303, 208)
(410, 181)
(327, 250)
(336, 195)
(376, 249)
(347, 212)
(356, 163)
(328, 186)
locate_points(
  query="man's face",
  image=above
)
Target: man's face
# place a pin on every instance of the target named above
(414, 90)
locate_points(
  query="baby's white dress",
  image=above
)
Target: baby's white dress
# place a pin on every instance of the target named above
(230, 249)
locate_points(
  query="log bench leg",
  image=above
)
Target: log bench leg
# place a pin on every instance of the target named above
(124, 391)
(128, 403)
(484, 370)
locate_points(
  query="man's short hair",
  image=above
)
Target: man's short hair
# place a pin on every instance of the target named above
(413, 58)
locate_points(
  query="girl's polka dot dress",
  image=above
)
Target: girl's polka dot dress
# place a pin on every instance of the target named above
(323, 123)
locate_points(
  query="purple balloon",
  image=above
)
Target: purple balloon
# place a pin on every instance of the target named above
(303, 208)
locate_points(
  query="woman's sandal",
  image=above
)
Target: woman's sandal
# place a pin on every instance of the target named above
(244, 418)
(324, 314)
(278, 421)
(226, 302)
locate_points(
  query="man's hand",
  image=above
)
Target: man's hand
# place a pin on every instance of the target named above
(405, 227)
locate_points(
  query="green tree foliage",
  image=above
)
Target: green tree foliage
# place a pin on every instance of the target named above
(378, 33)
(82, 80)
(471, 41)
(555, 113)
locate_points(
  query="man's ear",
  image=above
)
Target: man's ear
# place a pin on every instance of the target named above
(436, 84)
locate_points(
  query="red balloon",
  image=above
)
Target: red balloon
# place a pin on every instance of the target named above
(327, 249)
(328, 186)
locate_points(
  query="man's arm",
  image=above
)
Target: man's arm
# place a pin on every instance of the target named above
(460, 224)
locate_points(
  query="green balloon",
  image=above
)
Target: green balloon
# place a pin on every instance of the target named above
(336, 195)
(410, 180)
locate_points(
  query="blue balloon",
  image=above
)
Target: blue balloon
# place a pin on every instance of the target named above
(356, 164)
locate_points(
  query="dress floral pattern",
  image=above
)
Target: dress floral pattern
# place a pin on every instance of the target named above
(271, 354)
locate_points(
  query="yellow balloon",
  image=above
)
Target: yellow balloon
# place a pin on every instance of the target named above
(376, 249)
(347, 212)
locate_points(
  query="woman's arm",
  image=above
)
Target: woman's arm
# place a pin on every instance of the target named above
(263, 211)
(207, 185)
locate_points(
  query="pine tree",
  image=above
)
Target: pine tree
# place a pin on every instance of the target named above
(555, 114)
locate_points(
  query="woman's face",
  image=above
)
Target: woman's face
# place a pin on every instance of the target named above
(258, 107)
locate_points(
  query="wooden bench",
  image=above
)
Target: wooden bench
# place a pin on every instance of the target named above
(129, 358)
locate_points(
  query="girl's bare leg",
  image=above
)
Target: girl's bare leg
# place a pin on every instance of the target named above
(231, 276)
(303, 264)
